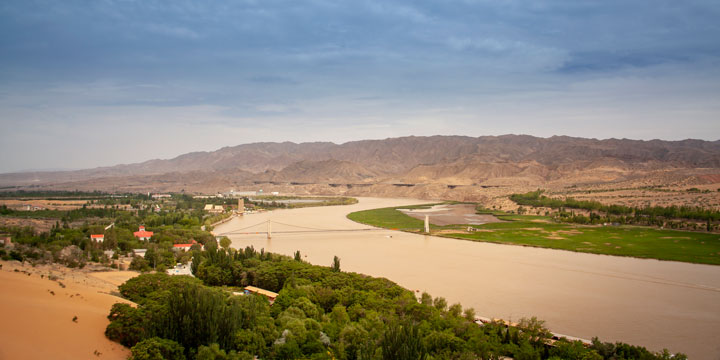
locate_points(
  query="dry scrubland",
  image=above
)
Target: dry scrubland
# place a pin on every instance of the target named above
(40, 225)
(46, 204)
(63, 318)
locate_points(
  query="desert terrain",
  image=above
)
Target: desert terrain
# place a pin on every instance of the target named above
(52, 312)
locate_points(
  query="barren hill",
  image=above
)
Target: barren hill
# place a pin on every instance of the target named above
(325, 171)
(444, 161)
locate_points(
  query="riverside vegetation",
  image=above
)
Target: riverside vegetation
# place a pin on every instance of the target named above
(294, 202)
(320, 313)
(560, 232)
(675, 217)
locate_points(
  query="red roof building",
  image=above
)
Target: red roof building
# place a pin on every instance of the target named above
(141, 234)
(98, 238)
(186, 247)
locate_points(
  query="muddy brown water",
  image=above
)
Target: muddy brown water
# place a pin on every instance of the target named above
(657, 304)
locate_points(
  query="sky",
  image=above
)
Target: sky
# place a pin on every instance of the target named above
(102, 82)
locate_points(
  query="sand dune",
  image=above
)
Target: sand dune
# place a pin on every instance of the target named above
(37, 313)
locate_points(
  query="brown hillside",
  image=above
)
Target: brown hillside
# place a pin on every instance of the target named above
(447, 161)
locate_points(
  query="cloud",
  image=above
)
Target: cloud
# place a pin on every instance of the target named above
(271, 79)
(401, 11)
(174, 31)
(344, 70)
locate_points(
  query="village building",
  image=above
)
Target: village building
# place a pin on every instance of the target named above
(30, 207)
(97, 237)
(181, 269)
(187, 247)
(214, 209)
(271, 296)
(5, 239)
(143, 235)
(139, 252)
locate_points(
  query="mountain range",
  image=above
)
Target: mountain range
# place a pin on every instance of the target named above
(448, 161)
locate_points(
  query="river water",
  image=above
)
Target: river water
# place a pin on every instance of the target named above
(657, 304)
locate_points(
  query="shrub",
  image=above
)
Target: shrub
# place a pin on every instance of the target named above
(157, 349)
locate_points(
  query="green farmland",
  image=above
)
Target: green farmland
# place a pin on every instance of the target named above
(540, 231)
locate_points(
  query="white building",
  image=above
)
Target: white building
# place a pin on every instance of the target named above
(181, 269)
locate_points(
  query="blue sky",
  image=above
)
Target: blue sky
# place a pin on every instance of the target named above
(102, 82)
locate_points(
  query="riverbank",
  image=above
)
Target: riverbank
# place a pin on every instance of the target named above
(540, 231)
(53, 312)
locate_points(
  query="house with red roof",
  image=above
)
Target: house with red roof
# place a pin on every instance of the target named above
(186, 247)
(97, 237)
(143, 235)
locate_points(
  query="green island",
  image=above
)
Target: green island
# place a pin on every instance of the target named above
(554, 233)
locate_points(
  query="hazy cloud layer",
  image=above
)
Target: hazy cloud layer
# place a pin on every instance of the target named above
(89, 83)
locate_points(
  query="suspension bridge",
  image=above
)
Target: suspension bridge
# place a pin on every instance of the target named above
(293, 229)
(296, 229)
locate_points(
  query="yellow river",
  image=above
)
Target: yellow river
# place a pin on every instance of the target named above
(657, 304)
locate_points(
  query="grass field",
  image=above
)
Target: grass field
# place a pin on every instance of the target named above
(390, 218)
(540, 231)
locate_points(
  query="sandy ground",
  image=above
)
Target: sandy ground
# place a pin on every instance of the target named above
(442, 215)
(37, 313)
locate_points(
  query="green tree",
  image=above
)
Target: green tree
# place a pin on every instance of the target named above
(127, 324)
(440, 303)
(225, 242)
(213, 352)
(336, 264)
(140, 264)
(574, 350)
(426, 299)
(195, 315)
(157, 349)
(534, 330)
(402, 342)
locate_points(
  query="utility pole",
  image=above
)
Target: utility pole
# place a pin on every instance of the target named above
(427, 224)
